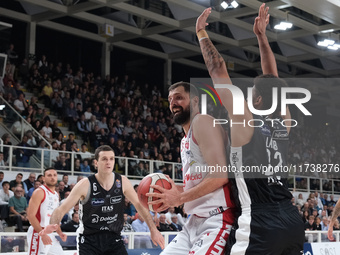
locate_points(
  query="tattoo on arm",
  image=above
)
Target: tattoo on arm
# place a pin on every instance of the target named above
(211, 56)
(336, 213)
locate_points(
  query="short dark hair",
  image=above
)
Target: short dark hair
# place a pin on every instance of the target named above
(20, 174)
(5, 182)
(65, 175)
(1, 172)
(264, 85)
(100, 149)
(188, 87)
(47, 169)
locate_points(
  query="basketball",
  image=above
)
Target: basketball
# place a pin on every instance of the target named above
(144, 187)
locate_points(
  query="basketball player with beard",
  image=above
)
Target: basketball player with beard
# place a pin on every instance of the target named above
(41, 206)
(205, 193)
(269, 223)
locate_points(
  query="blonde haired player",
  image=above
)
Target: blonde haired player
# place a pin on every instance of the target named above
(41, 206)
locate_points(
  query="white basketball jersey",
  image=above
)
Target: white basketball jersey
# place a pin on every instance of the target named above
(194, 171)
(47, 206)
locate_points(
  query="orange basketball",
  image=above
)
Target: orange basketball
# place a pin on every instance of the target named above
(144, 187)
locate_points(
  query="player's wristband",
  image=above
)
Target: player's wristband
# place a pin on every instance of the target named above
(202, 34)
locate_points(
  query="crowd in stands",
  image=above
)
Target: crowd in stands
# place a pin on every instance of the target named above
(316, 213)
(132, 118)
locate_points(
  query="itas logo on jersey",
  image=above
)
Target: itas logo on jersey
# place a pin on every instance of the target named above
(106, 209)
(97, 201)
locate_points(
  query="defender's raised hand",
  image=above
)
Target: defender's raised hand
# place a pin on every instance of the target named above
(261, 21)
(201, 21)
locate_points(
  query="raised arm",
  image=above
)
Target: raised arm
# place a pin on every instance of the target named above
(335, 215)
(216, 66)
(268, 62)
(131, 194)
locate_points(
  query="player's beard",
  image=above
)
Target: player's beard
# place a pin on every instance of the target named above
(183, 117)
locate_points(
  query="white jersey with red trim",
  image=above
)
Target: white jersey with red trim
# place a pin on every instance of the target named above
(47, 206)
(195, 169)
(36, 247)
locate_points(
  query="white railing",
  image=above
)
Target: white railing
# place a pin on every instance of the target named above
(131, 235)
(129, 167)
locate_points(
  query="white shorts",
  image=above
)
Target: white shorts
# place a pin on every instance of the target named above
(202, 236)
(36, 246)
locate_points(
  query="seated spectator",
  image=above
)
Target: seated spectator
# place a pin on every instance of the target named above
(77, 165)
(130, 209)
(139, 225)
(103, 124)
(62, 190)
(17, 209)
(31, 139)
(305, 216)
(88, 113)
(54, 153)
(174, 222)
(47, 131)
(317, 222)
(62, 164)
(29, 182)
(72, 225)
(18, 180)
(66, 184)
(166, 226)
(70, 140)
(5, 193)
(81, 127)
(22, 154)
(95, 137)
(71, 116)
(84, 152)
(47, 93)
(84, 167)
(37, 184)
(57, 104)
(324, 223)
(20, 104)
(3, 164)
(19, 126)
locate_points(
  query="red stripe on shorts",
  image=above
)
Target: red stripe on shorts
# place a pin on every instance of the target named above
(34, 247)
(218, 245)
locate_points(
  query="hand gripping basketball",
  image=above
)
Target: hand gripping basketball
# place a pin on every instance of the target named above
(166, 196)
